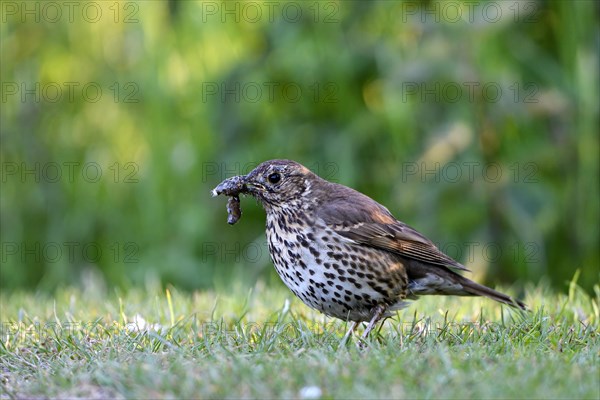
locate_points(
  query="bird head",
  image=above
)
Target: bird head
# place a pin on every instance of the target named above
(278, 182)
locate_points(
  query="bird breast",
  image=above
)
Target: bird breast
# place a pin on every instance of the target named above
(330, 273)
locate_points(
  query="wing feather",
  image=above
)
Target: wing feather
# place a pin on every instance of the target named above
(369, 223)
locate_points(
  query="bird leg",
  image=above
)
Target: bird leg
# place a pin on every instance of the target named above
(379, 311)
(377, 316)
(353, 326)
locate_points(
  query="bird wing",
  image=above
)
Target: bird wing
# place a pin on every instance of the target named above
(367, 222)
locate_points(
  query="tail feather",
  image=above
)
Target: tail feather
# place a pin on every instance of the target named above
(426, 279)
(476, 289)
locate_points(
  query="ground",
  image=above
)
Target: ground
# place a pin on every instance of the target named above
(164, 343)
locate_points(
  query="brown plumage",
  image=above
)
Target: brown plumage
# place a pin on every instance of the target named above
(343, 253)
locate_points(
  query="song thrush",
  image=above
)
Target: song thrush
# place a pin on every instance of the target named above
(343, 253)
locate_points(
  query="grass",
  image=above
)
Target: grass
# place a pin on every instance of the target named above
(264, 343)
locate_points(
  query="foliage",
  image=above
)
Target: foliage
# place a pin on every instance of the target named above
(389, 98)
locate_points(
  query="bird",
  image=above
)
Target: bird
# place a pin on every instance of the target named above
(344, 254)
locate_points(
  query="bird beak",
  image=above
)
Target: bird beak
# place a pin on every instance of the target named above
(251, 185)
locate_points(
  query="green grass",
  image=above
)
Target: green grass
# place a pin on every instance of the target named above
(264, 343)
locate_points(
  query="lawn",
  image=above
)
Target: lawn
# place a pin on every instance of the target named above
(263, 343)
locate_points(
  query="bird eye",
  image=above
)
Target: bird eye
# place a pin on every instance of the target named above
(274, 177)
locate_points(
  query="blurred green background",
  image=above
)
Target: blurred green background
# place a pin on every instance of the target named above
(475, 122)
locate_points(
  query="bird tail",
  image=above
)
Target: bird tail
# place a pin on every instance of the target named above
(475, 289)
(428, 279)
